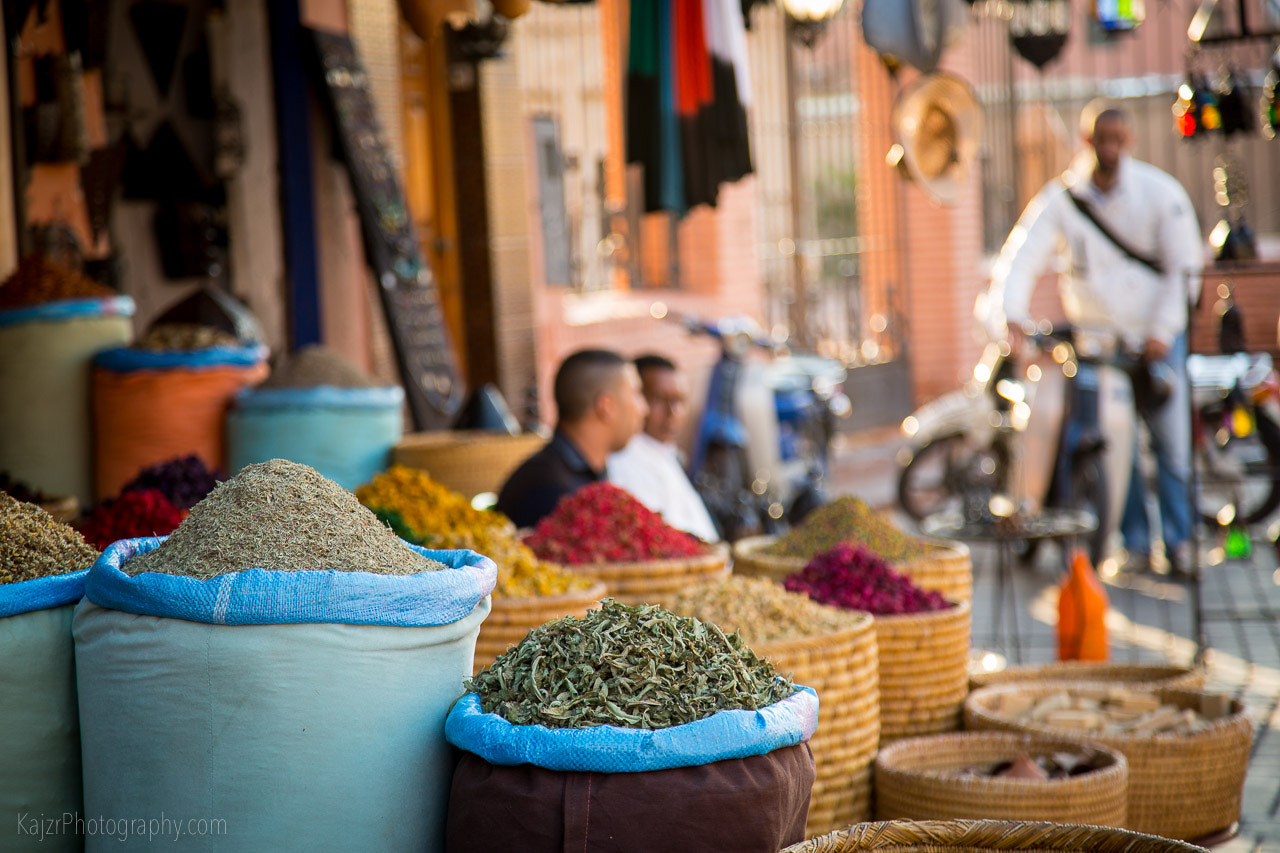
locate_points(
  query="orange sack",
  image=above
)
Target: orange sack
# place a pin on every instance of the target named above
(145, 416)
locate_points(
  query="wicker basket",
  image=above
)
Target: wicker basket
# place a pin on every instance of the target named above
(1180, 786)
(653, 581)
(948, 569)
(469, 462)
(842, 668)
(1146, 674)
(935, 836)
(924, 671)
(512, 618)
(917, 779)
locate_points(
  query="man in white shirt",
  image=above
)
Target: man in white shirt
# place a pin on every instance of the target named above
(1133, 250)
(649, 467)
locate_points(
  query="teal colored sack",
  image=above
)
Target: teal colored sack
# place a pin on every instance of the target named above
(39, 731)
(344, 433)
(281, 711)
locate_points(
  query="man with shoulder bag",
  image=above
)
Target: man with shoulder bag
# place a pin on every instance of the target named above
(1133, 251)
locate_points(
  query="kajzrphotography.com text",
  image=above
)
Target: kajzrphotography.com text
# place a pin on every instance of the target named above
(42, 826)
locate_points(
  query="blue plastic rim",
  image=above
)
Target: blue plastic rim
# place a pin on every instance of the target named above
(261, 597)
(70, 309)
(41, 593)
(613, 749)
(125, 359)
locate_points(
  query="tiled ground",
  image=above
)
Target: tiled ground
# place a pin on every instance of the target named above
(1150, 622)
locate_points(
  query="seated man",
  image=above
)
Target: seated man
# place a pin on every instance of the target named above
(599, 407)
(650, 466)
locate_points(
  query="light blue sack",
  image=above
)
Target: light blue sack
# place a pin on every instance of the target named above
(288, 711)
(344, 433)
(614, 749)
(40, 738)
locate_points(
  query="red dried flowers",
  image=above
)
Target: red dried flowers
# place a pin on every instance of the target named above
(140, 513)
(601, 523)
(853, 577)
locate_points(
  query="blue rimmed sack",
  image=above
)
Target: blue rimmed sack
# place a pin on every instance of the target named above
(44, 388)
(40, 735)
(153, 406)
(305, 710)
(344, 433)
(737, 780)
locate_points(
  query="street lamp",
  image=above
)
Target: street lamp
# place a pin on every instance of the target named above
(809, 18)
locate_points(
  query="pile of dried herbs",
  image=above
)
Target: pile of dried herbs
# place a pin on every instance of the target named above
(282, 516)
(634, 667)
(33, 545)
(849, 519)
(761, 610)
(316, 365)
(184, 337)
(39, 279)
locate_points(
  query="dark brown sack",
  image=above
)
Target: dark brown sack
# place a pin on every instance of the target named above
(740, 804)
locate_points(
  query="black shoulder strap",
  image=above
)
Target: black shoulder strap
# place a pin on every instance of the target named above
(1087, 209)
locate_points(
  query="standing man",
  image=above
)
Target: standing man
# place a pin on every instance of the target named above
(599, 408)
(1133, 250)
(649, 468)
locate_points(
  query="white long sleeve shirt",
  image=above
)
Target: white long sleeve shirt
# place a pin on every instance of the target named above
(650, 470)
(1104, 292)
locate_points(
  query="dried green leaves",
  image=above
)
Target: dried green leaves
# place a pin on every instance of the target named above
(637, 667)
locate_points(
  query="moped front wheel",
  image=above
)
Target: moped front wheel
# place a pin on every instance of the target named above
(939, 473)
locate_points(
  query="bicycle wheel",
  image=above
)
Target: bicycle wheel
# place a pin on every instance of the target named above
(938, 474)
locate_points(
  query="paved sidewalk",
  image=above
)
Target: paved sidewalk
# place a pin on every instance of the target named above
(1150, 622)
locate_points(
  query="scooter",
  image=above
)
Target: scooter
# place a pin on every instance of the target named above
(1236, 436)
(762, 450)
(1054, 431)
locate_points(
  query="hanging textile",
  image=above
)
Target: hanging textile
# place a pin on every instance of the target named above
(687, 94)
(731, 83)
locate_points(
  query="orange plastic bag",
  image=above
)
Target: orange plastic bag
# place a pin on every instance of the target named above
(143, 417)
(1082, 611)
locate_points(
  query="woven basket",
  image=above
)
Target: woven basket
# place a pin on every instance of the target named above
(1180, 786)
(948, 569)
(842, 668)
(653, 581)
(512, 618)
(934, 836)
(924, 671)
(917, 779)
(1149, 675)
(469, 462)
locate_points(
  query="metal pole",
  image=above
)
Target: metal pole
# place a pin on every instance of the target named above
(799, 295)
(1193, 487)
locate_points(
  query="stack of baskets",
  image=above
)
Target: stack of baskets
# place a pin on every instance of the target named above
(976, 836)
(1180, 785)
(841, 667)
(512, 618)
(653, 581)
(923, 779)
(924, 671)
(946, 569)
(469, 462)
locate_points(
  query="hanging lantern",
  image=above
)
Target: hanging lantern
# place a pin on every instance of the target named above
(1119, 15)
(1235, 104)
(1196, 112)
(809, 18)
(1038, 29)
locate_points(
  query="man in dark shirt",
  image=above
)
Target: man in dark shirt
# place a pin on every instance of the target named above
(599, 407)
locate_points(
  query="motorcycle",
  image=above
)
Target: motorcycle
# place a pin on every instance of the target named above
(762, 449)
(1236, 436)
(1056, 431)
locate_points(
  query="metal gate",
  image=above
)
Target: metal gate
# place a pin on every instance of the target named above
(805, 131)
